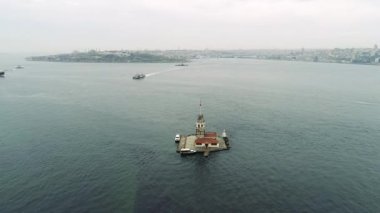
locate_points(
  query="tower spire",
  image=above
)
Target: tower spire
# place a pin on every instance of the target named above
(200, 106)
(201, 124)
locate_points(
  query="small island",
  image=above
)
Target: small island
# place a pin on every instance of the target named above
(114, 56)
(202, 141)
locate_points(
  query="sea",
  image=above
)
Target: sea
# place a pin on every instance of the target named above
(85, 137)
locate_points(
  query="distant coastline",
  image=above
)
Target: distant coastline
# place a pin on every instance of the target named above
(365, 56)
(109, 57)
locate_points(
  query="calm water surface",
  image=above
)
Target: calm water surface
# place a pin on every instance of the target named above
(79, 137)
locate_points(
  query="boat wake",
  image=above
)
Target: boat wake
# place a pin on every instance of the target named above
(157, 73)
(365, 103)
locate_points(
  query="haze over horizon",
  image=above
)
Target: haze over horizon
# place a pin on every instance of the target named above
(67, 25)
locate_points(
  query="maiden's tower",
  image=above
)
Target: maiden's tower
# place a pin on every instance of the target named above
(202, 141)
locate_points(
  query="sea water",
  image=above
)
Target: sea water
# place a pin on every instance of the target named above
(82, 137)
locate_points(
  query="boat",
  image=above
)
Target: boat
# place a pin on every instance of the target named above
(186, 151)
(2, 74)
(19, 67)
(177, 138)
(138, 76)
(181, 65)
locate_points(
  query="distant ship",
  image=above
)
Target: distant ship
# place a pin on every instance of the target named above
(2, 73)
(138, 76)
(19, 67)
(181, 65)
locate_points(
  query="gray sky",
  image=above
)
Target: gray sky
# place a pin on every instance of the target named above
(67, 25)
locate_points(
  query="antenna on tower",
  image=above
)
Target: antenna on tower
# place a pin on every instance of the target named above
(200, 106)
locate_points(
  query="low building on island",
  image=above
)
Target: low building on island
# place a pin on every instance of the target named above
(209, 139)
(202, 141)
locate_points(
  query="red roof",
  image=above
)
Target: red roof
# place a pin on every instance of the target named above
(199, 141)
(209, 138)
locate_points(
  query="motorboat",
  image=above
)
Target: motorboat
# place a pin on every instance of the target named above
(138, 76)
(181, 65)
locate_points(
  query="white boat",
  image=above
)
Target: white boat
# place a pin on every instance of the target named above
(177, 138)
(186, 151)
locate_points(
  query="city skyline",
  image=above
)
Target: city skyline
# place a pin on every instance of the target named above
(67, 25)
